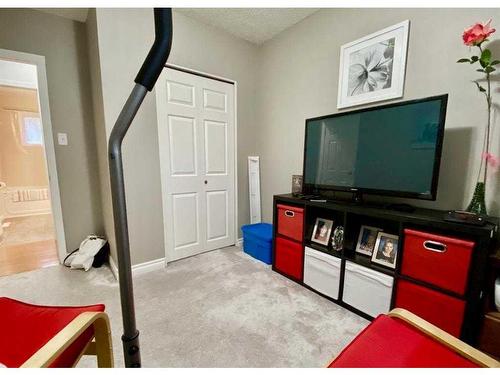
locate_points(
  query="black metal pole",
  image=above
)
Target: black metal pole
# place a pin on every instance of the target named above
(145, 81)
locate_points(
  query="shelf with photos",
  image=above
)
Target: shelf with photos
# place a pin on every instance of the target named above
(375, 249)
(324, 231)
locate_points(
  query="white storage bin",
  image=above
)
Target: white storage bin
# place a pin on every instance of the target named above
(367, 290)
(322, 272)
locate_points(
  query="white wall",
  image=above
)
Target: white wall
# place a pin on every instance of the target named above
(298, 78)
(124, 37)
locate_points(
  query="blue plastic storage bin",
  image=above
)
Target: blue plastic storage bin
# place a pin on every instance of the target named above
(257, 241)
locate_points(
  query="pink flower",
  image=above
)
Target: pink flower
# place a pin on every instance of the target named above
(492, 160)
(477, 33)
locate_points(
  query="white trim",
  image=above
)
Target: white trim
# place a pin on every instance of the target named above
(50, 155)
(239, 242)
(113, 267)
(152, 265)
(138, 269)
(235, 84)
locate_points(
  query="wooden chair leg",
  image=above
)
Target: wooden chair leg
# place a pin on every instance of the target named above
(102, 346)
(103, 343)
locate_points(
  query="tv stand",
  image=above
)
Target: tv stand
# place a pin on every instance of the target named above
(402, 207)
(357, 197)
(421, 272)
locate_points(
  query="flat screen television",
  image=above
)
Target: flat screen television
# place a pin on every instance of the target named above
(391, 150)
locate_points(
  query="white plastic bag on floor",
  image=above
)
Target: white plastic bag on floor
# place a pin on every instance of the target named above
(84, 257)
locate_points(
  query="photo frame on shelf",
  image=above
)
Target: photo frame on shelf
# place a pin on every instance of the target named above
(322, 231)
(372, 68)
(386, 250)
(367, 239)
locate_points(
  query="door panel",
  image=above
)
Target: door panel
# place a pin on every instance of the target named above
(182, 146)
(185, 215)
(197, 145)
(217, 215)
(213, 100)
(215, 147)
(180, 93)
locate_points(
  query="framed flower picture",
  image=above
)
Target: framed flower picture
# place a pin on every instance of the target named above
(373, 68)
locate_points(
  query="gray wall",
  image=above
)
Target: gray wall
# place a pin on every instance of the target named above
(63, 43)
(298, 78)
(124, 37)
(101, 146)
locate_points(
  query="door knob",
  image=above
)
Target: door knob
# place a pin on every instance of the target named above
(206, 182)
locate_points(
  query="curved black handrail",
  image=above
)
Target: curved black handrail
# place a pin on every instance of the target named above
(158, 55)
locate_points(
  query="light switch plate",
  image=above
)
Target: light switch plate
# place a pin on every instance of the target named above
(62, 139)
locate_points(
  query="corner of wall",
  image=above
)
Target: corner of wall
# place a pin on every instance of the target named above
(100, 127)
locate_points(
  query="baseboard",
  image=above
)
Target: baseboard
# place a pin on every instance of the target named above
(138, 269)
(113, 267)
(146, 267)
(239, 242)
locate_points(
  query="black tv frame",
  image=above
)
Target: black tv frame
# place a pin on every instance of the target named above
(358, 191)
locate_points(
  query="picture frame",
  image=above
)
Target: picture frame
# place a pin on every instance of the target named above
(367, 239)
(382, 253)
(372, 68)
(322, 231)
(297, 182)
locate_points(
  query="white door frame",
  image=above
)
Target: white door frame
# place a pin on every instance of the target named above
(235, 140)
(48, 140)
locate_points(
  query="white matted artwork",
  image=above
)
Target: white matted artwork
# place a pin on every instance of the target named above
(373, 68)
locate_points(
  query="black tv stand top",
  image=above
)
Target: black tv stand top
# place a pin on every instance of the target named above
(403, 207)
(417, 215)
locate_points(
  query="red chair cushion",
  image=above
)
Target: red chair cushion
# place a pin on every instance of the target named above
(391, 342)
(26, 328)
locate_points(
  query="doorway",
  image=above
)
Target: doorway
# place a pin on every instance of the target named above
(197, 142)
(30, 217)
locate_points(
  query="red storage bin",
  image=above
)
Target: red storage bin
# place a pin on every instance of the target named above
(442, 310)
(288, 257)
(438, 260)
(290, 221)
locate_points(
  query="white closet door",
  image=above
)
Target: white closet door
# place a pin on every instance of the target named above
(196, 141)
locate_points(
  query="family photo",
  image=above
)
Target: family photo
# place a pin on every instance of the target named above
(386, 249)
(322, 231)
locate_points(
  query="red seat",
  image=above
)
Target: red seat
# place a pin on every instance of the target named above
(391, 342)
(26, 328)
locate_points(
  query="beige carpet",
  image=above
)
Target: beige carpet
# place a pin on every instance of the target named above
(218, 309)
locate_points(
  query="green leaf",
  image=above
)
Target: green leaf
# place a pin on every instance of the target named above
(481, 88)
(486, 56)
(473, 59)
(484, 64)
(489, 69)
(495, 62)
(463, 61)
(480, 70)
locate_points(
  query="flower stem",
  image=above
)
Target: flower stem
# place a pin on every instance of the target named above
(488, 124)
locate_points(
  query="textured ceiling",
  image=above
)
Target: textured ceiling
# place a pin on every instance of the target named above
(76, 14)
(253, 24)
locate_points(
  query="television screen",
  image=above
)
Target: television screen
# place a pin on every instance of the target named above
(393, 149)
